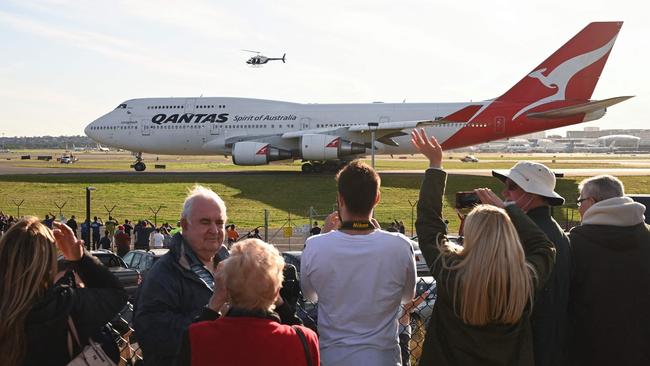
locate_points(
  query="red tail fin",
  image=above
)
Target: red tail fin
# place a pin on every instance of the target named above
(571, 73)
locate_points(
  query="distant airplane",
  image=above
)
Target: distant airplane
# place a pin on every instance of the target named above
(255, 132)
(260, 59)
(74, 148)
(100, 148)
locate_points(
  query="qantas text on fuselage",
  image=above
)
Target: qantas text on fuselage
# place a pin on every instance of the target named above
(254, 131)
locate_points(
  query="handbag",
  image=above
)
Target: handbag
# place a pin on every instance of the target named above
(91, 355)
(305, 346)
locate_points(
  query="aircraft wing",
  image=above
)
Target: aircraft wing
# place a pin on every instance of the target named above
(385, 131)
(588, 107)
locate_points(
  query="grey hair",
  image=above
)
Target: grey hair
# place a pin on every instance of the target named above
(601, 187)
(199, 191)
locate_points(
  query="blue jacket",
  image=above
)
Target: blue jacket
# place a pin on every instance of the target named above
(171, 296)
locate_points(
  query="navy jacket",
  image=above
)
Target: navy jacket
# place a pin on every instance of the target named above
(171, 296)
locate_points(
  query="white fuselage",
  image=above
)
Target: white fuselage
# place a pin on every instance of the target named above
(208, 126)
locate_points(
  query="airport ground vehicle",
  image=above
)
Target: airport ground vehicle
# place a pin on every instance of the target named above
(469, 159)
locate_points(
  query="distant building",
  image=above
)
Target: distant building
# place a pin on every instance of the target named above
(595, 132)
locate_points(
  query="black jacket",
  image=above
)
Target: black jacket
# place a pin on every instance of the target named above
(90, 308)
(549, 316)
(448, 340)
(610, 295)
(169, 299)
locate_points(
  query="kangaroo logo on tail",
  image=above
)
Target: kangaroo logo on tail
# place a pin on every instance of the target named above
(559, 78)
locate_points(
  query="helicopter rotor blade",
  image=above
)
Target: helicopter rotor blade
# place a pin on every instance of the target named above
(251, 51)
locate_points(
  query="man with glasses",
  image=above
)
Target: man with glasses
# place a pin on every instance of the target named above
(531, 186)
(609, 305)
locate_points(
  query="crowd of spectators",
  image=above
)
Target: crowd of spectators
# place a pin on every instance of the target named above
(517, 291)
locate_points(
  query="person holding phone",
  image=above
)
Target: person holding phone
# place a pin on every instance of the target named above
(485, 287)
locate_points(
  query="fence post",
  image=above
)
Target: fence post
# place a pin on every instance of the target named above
(18, 204)
(110, 212)
(60, 207)
(266, 225)
(155, 214)
(412, 215)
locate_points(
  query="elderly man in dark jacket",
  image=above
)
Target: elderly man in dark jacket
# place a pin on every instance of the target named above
(181, 283)
(531, 186)
(610, 284)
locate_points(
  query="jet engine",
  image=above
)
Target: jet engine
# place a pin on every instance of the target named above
(257, 153)
(327, 147)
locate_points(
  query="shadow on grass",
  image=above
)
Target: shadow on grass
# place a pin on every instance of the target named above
(294, 193)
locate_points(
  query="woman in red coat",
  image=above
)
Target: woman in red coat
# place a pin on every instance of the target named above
(249, 333)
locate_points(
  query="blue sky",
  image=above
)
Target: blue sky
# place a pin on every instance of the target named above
(66, 62)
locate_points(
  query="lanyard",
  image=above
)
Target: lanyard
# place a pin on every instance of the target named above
(357, 225)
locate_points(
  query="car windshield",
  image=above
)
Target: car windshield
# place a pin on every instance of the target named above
(108, 260)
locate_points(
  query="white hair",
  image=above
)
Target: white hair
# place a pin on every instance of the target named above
(199, 191)
(601, 187)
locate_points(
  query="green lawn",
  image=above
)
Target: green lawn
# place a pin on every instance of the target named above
(247, 195)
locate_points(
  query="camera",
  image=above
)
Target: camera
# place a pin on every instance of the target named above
(467, 199)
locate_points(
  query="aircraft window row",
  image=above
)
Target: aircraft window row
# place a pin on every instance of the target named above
(112, 127)
(165, 107)
(220, 106)
(333, 125)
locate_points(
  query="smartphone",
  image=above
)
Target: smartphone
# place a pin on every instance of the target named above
(467, 199)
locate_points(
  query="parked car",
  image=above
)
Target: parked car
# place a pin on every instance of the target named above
(643, 199)
(128, 277)
(143, 260)
(469, 159)
(293, 257)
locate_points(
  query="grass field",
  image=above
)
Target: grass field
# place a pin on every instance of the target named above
(246, 195)
(122, 161)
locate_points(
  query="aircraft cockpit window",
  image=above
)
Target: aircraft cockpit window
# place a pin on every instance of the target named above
(121, 106)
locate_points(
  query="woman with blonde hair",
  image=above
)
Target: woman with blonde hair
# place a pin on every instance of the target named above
(486, 286)
(35, 310)
(249, 332)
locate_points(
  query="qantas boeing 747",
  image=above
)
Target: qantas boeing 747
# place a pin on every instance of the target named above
(255, 132)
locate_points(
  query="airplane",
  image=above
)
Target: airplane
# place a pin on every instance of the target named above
(259, 59)
(74, 148)
(104, 149)
(256, 132)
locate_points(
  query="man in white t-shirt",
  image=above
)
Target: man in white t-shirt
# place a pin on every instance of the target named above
(156, 239)
(359, 275)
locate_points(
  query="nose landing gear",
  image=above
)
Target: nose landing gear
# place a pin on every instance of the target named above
(139, 164)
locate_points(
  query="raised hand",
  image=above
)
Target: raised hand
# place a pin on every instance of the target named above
(429, 147)
(71, 247)
(332, 222)
(488, 197)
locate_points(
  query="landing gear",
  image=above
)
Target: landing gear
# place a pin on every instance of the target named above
(139, 165)
(307, 168)
(330, 166)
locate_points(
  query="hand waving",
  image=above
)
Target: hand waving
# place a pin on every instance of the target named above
(488, 197)
(71, 247)
(427, 146)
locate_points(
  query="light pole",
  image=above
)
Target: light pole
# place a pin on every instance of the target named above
(373, 127)
(87, 223)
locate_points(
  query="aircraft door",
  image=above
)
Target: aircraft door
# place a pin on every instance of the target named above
(189, 105)
(499, 125)
(305, 123)
(215, 128)
(144, 127)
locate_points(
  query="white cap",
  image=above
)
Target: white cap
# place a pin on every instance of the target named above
(533, 178)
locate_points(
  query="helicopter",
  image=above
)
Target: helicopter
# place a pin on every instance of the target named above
(260, 59)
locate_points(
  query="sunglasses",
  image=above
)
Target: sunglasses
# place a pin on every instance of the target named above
(511, 186)
(579, 201)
